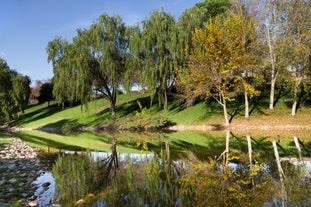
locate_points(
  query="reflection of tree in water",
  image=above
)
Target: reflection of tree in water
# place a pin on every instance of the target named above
(79, 175)
(110, 164)
(160, 181)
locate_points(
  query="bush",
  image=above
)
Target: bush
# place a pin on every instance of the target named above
(71, 128)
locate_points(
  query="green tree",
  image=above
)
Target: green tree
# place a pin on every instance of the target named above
(46, 93)
(155, 47)
(95, 61)
(108, 46)
(20, 90)
(6, 103)
(57, 50)
(14, 92)
(194, 18)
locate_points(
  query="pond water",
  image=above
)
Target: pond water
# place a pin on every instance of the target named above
(47, 197)
(70, 178)
(45, 194)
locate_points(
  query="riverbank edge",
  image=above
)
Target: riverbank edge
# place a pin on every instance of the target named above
(181, 127)
(35, 167)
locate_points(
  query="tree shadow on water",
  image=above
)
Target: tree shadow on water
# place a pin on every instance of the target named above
(41, 141)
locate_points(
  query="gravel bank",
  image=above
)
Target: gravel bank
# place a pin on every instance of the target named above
(20, 166)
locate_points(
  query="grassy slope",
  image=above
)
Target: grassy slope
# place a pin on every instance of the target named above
(207, 113)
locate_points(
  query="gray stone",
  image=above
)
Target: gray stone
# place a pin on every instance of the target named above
(33, 204)
(13, 180)
(24, 195)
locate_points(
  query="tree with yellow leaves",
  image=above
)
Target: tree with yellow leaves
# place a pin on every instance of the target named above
(222, 52)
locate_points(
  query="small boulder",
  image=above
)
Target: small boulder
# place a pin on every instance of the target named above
(13, 180)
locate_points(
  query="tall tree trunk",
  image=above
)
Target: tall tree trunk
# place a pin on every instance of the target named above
(295, 98)
(112, 96)
(227, 147)
(273, 69)
(246, 103)
(113, 109)
(222, 101)
(226, 115)
(224, 106)
(165, 101)
(272, 89)
(113, 101)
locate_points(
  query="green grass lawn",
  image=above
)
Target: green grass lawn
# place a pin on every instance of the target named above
(208, 112)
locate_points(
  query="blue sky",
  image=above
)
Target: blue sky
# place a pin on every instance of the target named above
(26, 26)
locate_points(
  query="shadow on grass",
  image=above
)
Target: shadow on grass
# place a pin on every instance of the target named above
(41, 141)
(132, 106)
(304, 146)
(2, 133)
(38, 114)
(213, 150)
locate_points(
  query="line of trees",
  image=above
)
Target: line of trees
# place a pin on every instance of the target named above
(217, 48)
(14, 92)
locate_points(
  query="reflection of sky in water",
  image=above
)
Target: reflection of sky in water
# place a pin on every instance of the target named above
(307, 166)
(45, 195)
(122, 156)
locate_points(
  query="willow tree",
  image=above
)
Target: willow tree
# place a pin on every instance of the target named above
(57, 51)
(20, 90)
(156, 50)
(215, 61)
(194, 18)
(94, 61)
(108, 46)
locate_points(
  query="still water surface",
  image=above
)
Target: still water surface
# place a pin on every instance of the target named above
(200, 144)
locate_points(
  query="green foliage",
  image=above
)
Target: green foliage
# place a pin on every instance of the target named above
(154, 47)
(14, 92)
(151, 182)
(194, 18)
(46, 92)
(297, 185)
(157, 181)
(142, 111)
(95, 61)
(71, 128)
(76, 176)
(143, 122)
